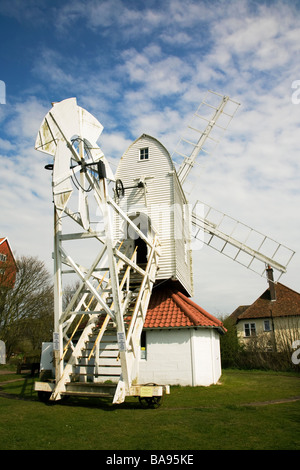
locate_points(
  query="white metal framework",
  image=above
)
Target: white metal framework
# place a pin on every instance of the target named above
(230, 237)
(238, 241)
(112, 294)
(204, 132)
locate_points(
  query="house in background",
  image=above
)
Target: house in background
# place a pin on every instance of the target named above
(8, 266)
(273, 320)
(180, 343)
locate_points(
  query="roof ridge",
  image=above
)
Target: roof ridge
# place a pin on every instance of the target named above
(171, 308)
(287, 304)
(200, 309)
(286, 287)
(180, 303)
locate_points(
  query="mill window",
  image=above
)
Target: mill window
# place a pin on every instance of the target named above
(144, 153)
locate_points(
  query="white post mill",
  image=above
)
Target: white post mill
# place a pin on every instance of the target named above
(121, 236)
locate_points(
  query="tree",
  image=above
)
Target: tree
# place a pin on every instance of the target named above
(26, 310)
(230, 347)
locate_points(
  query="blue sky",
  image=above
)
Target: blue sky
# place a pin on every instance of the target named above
(144, 67)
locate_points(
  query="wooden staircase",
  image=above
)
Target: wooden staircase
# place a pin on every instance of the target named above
(93, 364)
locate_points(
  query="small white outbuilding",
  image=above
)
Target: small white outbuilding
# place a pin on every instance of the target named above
(180, 342)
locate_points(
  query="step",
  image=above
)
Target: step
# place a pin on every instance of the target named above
(90, 389)
(94, 374)
(101, 365)
(104, 345)
(105, 354)
(92, 378)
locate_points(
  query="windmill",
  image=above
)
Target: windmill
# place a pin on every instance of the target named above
(121, 236)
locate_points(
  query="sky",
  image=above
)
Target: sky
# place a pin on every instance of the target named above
(144, 67)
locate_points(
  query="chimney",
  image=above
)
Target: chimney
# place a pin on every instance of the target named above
(271, 283)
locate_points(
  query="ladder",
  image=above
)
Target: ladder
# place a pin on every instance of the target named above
(92, 359)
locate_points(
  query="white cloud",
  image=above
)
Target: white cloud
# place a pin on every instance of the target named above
(113, 146)
(27, 117)
(157, 74)
(6, 145)
(31, 11)
(178, 38)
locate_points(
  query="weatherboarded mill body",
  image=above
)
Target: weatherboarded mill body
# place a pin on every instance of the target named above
(180, 343)
(153, 198)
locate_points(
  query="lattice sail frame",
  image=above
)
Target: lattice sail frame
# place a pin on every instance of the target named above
(216, 229)
(238, 241)
(204, 132)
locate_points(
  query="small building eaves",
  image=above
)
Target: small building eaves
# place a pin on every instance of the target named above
(172, 309)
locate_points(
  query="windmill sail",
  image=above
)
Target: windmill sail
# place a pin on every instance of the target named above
(238, 241)
(207, 126)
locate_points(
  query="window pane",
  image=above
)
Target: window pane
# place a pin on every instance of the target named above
(144, 154)
(143, 345)
(247, 329)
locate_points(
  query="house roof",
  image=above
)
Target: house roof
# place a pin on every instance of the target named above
(172, 309)
(287, 303)
(4, 242)
(8, 264)
(237, 312)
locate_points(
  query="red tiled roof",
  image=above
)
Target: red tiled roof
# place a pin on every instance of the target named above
(287, 303)
(172, 309)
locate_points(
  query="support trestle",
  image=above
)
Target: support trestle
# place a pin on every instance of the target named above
(97, 326)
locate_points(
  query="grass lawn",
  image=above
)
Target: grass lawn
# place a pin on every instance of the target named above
(190, 418)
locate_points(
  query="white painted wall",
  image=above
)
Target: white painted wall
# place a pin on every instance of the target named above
(207, 356)
(181, 357)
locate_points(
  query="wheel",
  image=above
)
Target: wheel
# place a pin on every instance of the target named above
(69, 133)
(119, 188)
(44, 396)
(150, 402)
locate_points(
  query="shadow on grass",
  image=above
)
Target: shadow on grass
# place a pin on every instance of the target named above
(16, 390)
(19, 389)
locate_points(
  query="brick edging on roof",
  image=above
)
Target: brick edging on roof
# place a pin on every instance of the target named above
(181, 300)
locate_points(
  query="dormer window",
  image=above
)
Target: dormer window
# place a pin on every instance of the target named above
(144, 153)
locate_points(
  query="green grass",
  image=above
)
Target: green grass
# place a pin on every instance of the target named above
(191, 418)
